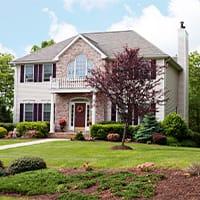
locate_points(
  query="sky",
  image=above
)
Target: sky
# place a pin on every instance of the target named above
(27, 22)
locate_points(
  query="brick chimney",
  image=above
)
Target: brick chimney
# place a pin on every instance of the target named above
(184, 75)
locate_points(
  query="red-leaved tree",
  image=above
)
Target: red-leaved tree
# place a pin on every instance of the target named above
(130, 82)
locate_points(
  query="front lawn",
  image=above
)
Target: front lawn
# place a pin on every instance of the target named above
(86, 185)
(99, 154)
(13, 141)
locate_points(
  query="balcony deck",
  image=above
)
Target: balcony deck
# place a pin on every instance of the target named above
(69, 85)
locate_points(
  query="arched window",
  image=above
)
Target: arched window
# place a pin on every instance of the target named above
(79, 68)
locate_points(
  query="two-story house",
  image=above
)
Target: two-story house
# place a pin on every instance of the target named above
(50, 83)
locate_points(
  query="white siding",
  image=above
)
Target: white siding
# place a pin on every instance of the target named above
(30, 92)
(171, 84)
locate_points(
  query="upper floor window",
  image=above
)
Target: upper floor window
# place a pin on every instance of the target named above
(29, 73)
(79, 67)
(48, 71)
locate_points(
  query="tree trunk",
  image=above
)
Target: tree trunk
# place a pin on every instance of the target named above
(124, 133)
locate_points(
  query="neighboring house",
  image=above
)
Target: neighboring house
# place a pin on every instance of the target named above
(50, 84)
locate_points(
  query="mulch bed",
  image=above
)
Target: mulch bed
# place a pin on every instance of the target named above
(120, 147)
(175, 186)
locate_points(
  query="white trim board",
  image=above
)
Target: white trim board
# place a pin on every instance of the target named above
(103, 55)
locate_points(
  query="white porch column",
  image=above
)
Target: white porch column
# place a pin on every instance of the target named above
(52, 125)
(93, 107)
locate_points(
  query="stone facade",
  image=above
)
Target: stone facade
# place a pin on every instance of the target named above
(79, 47)
(62, 100)
(62, 107)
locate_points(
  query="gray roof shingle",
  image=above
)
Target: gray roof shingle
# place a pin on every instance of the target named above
(109, 43)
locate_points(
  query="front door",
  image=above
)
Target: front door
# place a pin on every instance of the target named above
(80, 114)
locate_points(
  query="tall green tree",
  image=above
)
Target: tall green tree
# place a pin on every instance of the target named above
(6, 87)
(194, 91)
(43, 44)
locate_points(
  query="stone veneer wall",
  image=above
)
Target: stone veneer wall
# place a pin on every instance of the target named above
(62, 100)
(62, 107)
(79, 47)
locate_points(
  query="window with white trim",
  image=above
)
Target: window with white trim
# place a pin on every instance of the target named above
(79, 68)
(28, 112)
(48, 71)
(29, 73)
(46, 112)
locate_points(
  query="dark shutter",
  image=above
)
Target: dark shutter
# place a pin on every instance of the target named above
(153, 69)
(35, 112)
(39, 112)
(135, 114)
(40, 73)
(22, 74)
(113, 112)
(21, 115)
(35, 73)
(54, 70)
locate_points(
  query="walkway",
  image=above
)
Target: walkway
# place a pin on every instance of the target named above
(23, 144)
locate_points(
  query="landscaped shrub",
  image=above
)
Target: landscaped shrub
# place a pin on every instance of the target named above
(172, 141)
(175, 126)
(159, 138)
(3, 132)
(79, 136)
(26, 164)
(147, 128)
(42, 128)
(188, 143)
(194, 136)
(8, 126)
(114, 137)
(100, 131)
(2, 172)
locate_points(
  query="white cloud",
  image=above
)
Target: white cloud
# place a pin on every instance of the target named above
(4, 49)
(162, 29)
(28, 49)
(59, 30)
(87, 4)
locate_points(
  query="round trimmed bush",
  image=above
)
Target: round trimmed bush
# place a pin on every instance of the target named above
(79, 136)
(26, 164)
(159, 138)
(3, 132)
(175, 126)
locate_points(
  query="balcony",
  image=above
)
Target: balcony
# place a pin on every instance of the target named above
(67, 85)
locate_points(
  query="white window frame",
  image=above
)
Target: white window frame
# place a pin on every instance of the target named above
(28, 65)
(25, 112)
(43, 71)
(86, 66)
(43, 111)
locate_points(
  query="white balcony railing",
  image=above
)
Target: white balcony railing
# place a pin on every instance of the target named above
(67, 83)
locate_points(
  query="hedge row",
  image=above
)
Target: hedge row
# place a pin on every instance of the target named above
(8, 126)
(100, 131)
(42, 128)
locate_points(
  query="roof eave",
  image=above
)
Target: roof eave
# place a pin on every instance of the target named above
(32, 61)
(171, 61)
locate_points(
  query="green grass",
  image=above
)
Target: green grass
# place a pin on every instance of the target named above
(13, 141)
(12, 198)
(124, 184)
(99, 154)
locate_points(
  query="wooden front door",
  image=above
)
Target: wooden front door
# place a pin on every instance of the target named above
(80, 114)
